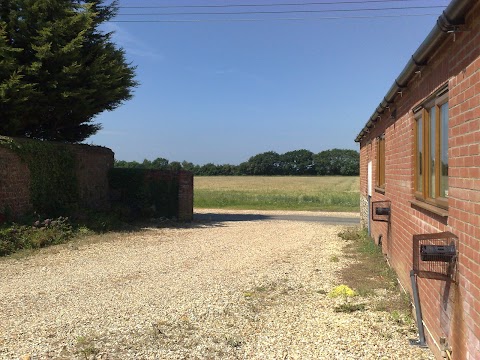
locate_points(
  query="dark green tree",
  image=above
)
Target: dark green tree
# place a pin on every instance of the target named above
(209, 169)
(175, 166)
(160, 164)
(57, 69)
(188, 166)
(245, 168)
(337, 162)
(297, 162)
(267, 163)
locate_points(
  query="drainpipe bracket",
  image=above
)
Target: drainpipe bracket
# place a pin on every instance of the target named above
(416, 342)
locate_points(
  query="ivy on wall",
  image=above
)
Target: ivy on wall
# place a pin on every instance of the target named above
(53, 180)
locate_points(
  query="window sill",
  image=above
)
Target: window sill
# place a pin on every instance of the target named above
(380, 190)
(431, 208)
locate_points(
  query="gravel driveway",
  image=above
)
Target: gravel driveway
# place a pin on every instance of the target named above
(209, 290)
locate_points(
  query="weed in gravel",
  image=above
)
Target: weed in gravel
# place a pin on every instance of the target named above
(234, 341)
(371, 276)
(159, 329)
(176, 332)
(247, 294)
(342, 291)
(334, 258)
(349, 308)
(86, 347)
(351, 233)
(365, 291)
(260, 288)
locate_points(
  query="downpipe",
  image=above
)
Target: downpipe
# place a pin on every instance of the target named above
(418, 312)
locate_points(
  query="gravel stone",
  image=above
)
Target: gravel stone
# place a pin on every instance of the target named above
(232, 290)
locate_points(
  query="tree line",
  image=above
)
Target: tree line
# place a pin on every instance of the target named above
(298, 162)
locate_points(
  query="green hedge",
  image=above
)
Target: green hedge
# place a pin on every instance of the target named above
(144, 193)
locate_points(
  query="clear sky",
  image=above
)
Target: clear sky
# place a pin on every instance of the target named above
(221, 91)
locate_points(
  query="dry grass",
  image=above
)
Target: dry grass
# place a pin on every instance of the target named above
(331, 193)
(307, 185)
(369, 274)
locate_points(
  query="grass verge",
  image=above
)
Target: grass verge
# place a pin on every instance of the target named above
(369, 274)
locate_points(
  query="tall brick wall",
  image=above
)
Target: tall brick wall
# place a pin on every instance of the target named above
(185, 196)
(450, 310)
(93, 163)
(14, 184)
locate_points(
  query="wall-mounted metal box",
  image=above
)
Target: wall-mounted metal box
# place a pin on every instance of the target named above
(381, 210)
(444, 253)
(435, 255)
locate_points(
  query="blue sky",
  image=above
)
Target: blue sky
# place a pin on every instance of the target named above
(222, 91)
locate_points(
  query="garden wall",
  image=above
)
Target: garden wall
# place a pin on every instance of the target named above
(93, 165)
(140, 193)
(14, 184)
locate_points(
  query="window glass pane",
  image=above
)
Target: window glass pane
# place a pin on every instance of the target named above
(432, 137)
(381, 162)
(444, 150)
(419, 155)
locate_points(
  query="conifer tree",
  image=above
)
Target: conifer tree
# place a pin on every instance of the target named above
(57, 69)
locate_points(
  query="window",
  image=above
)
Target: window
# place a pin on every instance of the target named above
(381, 161)
(431, 151)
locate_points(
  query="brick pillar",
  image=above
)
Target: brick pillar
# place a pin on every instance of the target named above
(185, 196)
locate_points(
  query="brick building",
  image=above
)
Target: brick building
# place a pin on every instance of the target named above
(420, 179)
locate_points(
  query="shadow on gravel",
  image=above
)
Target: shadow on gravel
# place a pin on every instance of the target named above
(331, 220)
(208, 220)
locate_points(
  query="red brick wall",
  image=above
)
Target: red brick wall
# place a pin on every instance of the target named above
(14, 184)
(185, 190)
(185, 196)
(93, 163)
(449, 310)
